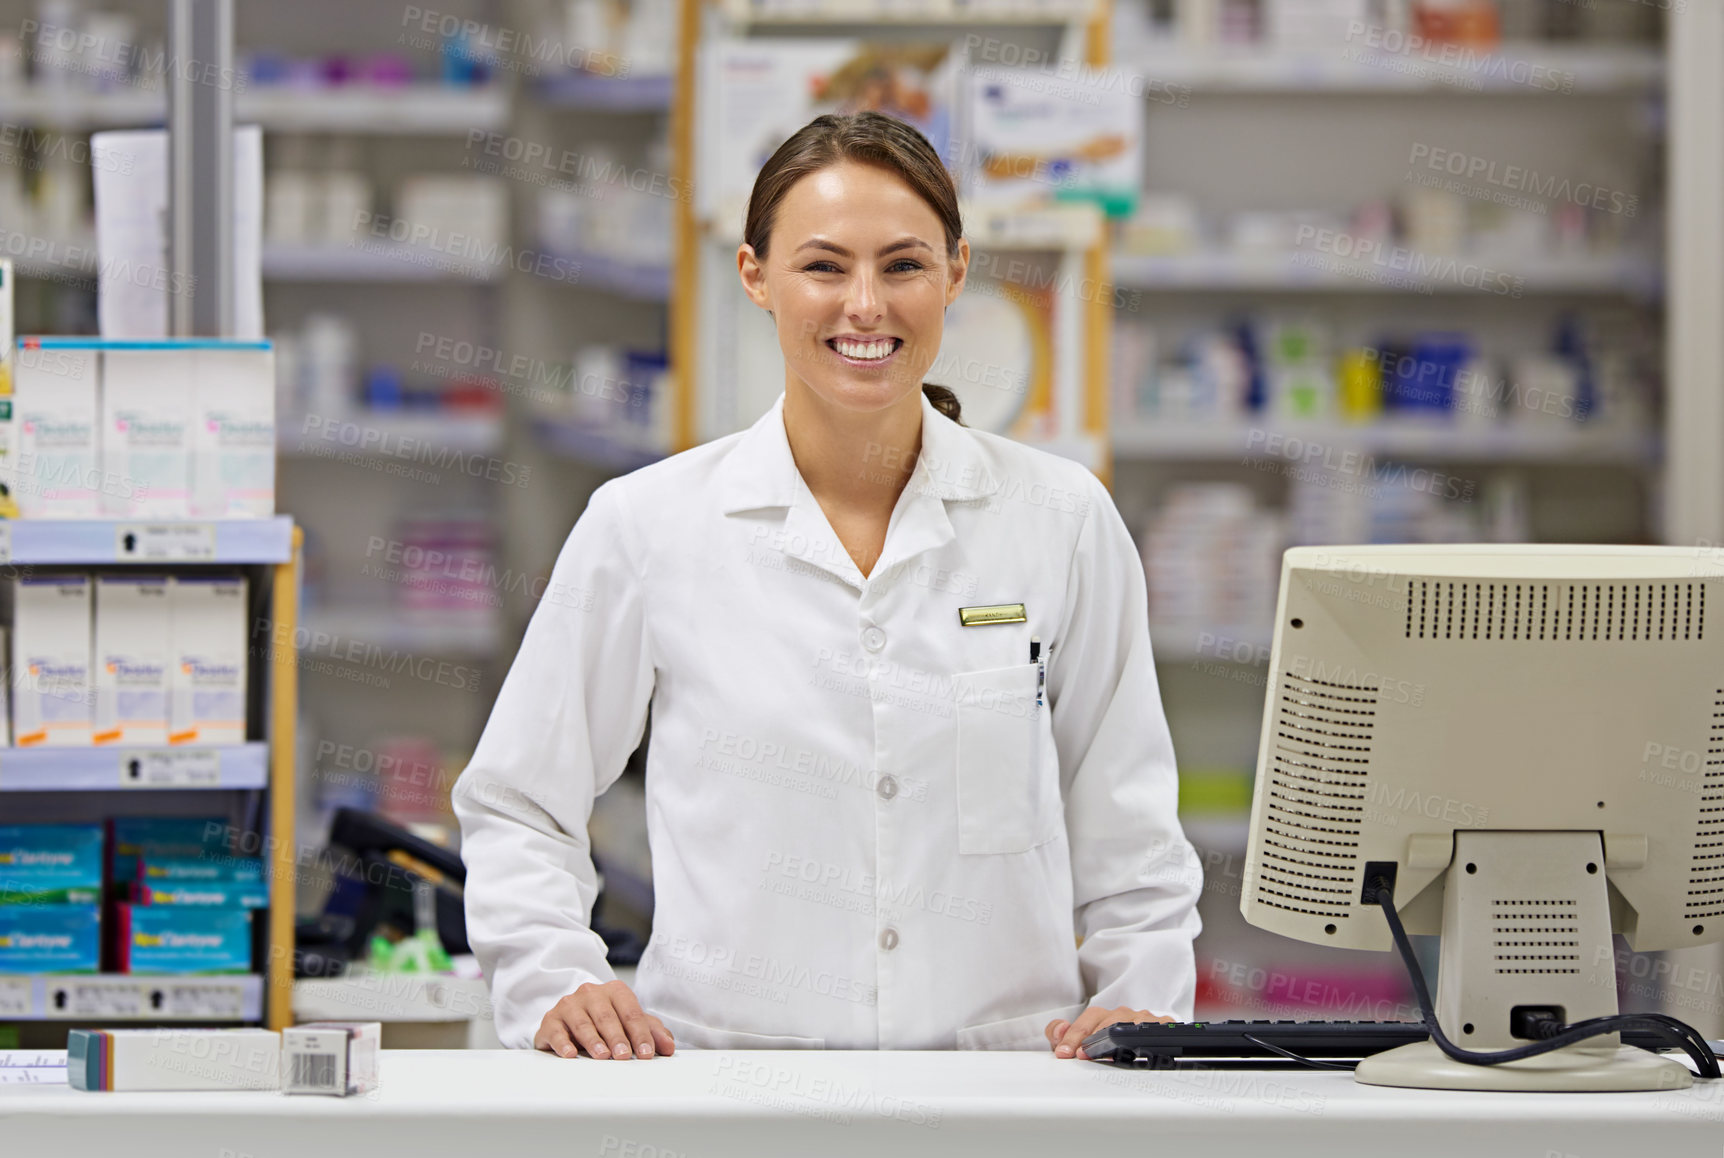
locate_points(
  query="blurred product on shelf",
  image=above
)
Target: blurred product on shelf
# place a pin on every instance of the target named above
(322, 393)
(453, 213)
(612, 38)
(606, 208)
(1212, 558)
(124, 658)
(182, 938)
(622, 396)
(446, 569)
(50, 938)
(1428, 29)
(1364, 498)
(51, 864)
(1286, 366)
(314, 195)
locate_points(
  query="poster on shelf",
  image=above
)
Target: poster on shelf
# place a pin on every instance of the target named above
(758, 92)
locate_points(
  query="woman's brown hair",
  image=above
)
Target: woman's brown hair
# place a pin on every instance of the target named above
(872, 139)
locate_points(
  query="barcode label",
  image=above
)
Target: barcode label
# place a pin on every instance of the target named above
(314, 1071)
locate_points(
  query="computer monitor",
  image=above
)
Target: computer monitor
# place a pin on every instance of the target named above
(1528, 742)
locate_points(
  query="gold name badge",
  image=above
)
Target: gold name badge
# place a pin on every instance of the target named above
(997, 613)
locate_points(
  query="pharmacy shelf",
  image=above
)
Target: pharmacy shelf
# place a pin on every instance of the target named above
(1627, 275)
(457, 634)
(908, 11)
(390, 434)
(362, 995)
(134, 766)
(594, 271)
(586, 443)
(117, 998)
(422, 109)
(1531, 69)
(1273, 438)
(54, 542)
(613, 94)
(373, 259)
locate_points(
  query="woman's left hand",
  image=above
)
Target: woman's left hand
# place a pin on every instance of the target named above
(1066, 1036)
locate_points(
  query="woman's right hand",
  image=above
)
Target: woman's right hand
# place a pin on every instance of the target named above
(594, 1015)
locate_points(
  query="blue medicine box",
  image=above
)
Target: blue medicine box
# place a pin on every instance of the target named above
(162, 869)
(50, 938)
(183, 939)
(184, 837)
(51, 864)
(210, 894)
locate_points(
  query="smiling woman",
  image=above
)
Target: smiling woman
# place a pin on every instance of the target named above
(854, 244)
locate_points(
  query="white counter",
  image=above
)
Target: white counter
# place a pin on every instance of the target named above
(708, 1104)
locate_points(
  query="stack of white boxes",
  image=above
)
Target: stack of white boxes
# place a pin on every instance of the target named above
(125, 658)
(157, 430)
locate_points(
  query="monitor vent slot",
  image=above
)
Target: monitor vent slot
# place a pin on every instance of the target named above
(1556, 612)
(1536, 936)
(1316, 794)
(1706, 871)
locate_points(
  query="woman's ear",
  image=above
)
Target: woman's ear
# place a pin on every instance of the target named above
(753, 274)
(960, 270)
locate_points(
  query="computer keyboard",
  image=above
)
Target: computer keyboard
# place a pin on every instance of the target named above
(1165, 1043)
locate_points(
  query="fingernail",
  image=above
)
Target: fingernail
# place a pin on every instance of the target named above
(645, 1049)
(622, 1049)
(568, 1051)
(1064, 1051)
(1083, 1054)
(600, 1050)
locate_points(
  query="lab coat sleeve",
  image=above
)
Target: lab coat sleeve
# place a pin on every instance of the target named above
(1135, 877)
(571, 709)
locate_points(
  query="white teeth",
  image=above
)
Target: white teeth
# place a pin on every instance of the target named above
(863, 350)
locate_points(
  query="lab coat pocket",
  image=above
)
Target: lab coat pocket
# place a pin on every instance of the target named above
(697, 1036)
(1026, 1032)
(1002, 806)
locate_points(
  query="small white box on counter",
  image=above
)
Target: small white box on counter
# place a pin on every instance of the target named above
(330, 1057)
(207, 702)
(173, 1059)
(52, 704)
(133, 658)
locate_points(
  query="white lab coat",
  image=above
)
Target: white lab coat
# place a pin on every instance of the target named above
(865, 833)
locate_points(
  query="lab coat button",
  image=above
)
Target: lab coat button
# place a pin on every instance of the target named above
(888, 938)
(873, 638)
(887, 787)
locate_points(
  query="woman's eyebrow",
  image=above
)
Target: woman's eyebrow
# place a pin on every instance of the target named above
(834, 247)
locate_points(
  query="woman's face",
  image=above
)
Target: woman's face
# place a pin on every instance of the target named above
(857, 280)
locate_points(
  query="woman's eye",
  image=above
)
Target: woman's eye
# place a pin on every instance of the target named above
(904, 266)
(819, 267)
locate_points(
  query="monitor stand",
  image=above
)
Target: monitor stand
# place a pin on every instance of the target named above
(1526, 923)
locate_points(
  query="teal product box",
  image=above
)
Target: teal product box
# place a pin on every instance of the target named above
(216, 894)
(50, 938)
(58, 864)
(182, 939)
(183, 837)
(160, 869)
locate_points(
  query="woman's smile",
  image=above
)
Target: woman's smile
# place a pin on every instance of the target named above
(865, 351)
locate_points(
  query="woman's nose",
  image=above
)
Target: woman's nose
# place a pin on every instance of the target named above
(864, 299)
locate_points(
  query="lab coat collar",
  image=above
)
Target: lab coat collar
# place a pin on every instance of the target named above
(759, 472)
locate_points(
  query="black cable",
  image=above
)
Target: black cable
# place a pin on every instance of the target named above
(1291, 1056)
(1685, 1036)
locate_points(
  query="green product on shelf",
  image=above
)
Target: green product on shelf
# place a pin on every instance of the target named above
(50, 864)
(1211, 791)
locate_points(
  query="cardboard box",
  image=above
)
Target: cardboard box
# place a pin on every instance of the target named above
(181, 939)
(146, 444)
(59, 864)
(133, 658)
(50, 938)
(330, 1057)
(54, 409)
(209, 673)
(233, 445)
(173, 1059)
(52, 697)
